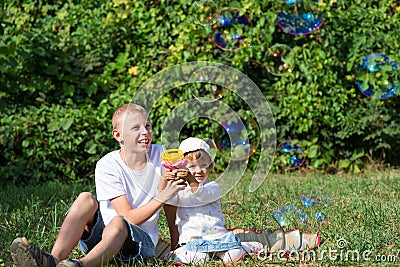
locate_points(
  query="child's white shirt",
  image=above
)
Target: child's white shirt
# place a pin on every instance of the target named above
(199, 214)
(114, 178)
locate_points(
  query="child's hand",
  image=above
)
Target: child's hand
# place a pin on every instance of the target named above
(168, 175)
(186, 175)
(183, 174)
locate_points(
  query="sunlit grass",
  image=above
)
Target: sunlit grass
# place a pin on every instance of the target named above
(364, 211)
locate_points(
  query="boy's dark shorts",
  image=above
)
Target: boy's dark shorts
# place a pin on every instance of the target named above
(138, 247)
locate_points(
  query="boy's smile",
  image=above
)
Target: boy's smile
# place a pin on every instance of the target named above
(137, 132)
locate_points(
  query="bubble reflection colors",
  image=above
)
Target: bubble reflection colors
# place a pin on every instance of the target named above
(237, 137)
(290, 216)
(231, 29)
(200, 85)
(377, 75)
(315, 197)
(279, 60)
(298, 17)
(205, 12)
(309, 201)
(319, 217)
(290, 154)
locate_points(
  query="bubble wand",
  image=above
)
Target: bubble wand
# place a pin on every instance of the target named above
(173, 159)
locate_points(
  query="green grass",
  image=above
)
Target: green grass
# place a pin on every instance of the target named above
(364, 211)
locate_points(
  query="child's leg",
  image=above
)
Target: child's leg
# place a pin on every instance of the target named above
(79, 216)
(185, 256)
(231, 255)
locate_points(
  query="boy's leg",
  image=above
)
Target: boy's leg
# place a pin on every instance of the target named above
(80, 215)
(113, 238)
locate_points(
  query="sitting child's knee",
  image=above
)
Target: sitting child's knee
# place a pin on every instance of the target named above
(86, 195)
(117, 226)
(120, 222)
(86, 201)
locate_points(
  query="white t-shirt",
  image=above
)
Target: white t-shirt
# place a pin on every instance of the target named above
(114, 178)
(199, 214)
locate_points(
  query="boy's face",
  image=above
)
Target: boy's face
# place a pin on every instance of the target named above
(199, 168)
(136, 131)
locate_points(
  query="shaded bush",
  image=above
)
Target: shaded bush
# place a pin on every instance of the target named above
(68, 64)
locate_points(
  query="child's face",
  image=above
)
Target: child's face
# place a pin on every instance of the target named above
(199, 168)
(137, 132)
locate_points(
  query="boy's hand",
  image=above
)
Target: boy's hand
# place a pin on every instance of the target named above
(168, 175)
(171, 189)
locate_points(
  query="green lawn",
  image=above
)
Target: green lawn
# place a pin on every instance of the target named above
(364, 212)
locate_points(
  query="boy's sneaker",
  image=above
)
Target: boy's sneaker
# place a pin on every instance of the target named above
(24, 255)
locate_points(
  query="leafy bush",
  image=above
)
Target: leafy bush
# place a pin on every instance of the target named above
(68, 64)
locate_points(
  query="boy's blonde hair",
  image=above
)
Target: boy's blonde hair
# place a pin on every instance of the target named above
(121, 111)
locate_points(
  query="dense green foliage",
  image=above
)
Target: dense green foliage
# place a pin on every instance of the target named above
(66, 65)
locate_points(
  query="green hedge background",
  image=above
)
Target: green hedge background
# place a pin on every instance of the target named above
(66, 65)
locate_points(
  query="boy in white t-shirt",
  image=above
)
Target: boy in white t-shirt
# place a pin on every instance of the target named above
(121, 222)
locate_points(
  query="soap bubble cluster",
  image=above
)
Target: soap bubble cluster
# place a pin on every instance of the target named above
(290, 215)
(290, 154)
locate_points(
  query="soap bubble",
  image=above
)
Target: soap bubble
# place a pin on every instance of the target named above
(309, 200)
(299, 17)
(315, 197)
(200, 85)
(237, 136)
(205, 12)
(289, 216)
(319, 217)
(377, 75)
(231, 29)
(279, 59)
(290, 154)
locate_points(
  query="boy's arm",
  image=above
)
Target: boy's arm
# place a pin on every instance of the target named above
(143, 213)
(170, 214)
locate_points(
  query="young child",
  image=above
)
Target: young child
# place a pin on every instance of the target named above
(200, 221)
(122, 221)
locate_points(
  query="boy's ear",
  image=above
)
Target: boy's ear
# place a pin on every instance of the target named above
(117, 135)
